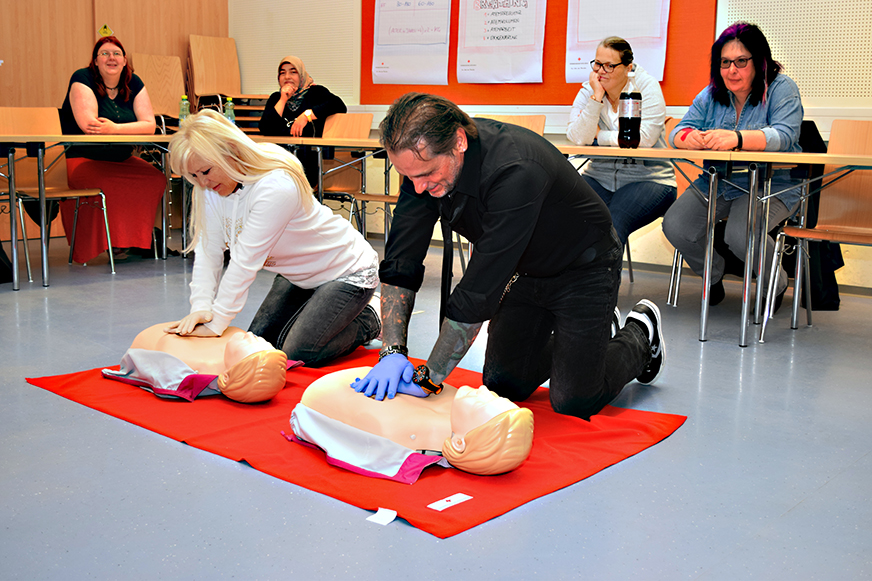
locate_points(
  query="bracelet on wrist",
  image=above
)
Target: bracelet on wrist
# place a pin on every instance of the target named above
(390, 350)
(739, 135)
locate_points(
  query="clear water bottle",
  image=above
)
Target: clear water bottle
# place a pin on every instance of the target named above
(184, 109)
(630, 114)
(229, 112)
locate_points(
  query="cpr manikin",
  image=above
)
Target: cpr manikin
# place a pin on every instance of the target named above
(240, 365)
(474, 429)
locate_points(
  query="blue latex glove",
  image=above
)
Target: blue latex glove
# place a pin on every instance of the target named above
(391, 375)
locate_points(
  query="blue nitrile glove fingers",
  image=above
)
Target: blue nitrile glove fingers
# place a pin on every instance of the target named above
(386, 378)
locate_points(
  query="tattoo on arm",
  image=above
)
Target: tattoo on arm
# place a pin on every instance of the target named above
(396, 309)
(454, 341)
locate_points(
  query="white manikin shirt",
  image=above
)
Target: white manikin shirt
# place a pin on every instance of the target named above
(265, 225)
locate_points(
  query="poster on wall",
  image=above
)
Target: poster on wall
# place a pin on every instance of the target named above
(642, 23)
(411, 42)
(500, 41)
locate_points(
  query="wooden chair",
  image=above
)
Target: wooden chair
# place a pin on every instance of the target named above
(165, 82)
(162, 76)
(844, 214)
(45, 121)
(535, 123)
(213, 72)
(343, 172)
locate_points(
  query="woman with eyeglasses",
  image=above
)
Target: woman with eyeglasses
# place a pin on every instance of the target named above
(748, 105)
(637, 192)
(106, 98)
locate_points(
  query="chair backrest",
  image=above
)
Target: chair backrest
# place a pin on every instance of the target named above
(34, 121)
(213, 66)
(691, 171)
(163, 78)
(848, 202)
(535, 123)
(345, 126)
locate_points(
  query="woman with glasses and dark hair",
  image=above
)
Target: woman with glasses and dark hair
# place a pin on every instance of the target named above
(106, 98)
(637, 192)
(748, 105)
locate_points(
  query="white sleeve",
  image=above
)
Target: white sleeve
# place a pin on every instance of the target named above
(208, 257)
(583, 118)
(274, 202)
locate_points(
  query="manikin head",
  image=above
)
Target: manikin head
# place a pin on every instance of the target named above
(489, 433)
(255, 370)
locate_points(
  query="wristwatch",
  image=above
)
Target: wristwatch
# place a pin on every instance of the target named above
(385, 351)
(421, 378)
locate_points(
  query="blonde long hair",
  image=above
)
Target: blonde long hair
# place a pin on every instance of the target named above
(221, 143)
(499, 445)
(256, 378)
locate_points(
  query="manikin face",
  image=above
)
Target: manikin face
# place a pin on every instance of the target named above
(288, 75)
(110, 60)
(241, 346)
(209, 176)
(738, 81)
(437, 174)
(471, 409)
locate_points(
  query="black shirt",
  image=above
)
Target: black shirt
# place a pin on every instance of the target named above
(321, 101)
(113, 109)
(519, 201)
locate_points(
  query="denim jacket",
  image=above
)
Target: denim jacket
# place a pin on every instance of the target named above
(779, 117)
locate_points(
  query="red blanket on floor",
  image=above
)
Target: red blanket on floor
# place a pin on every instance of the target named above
(565, 449)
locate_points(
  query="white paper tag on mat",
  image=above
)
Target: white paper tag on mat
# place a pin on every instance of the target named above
(383, 516)
(448, 502)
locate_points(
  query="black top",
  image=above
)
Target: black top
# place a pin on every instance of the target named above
(321, 101)
(113, 109)
(519, 201)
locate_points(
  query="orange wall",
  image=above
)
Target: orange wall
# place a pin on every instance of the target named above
(691, 32)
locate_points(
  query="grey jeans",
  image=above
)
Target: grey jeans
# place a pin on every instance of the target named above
(685, 227)
(316, 325)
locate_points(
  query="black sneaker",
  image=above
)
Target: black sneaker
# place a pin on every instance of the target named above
(647, 315)
(616, 323)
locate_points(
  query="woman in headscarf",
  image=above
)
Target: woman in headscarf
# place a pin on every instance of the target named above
(299, 109)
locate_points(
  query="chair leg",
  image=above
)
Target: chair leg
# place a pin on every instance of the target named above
(674, 280)
(629, 261)
(777, 257)
(24, 240)
(73, 236)
(802, 277)
(108, 236)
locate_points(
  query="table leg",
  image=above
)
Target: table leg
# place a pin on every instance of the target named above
(750, 234)
(167, 198)
(13, 226)
(43, 230)
(709, 253)
(320, 173)
(762, 233)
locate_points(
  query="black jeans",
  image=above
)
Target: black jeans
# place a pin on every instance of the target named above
(558, 328)
(316, 325)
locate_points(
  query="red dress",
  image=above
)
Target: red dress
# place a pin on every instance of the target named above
(133, 187)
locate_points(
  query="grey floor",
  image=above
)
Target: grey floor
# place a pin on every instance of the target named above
(769, 478)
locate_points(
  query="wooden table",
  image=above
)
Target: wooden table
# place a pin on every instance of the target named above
(10, 142)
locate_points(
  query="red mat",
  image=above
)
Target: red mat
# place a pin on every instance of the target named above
(565, 449)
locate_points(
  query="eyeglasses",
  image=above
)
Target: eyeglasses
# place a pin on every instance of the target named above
(106, 54)
(607, 67)
(740, 62)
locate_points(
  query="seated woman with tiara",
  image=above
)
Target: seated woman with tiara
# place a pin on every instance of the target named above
(242, 366)
(474, 430)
